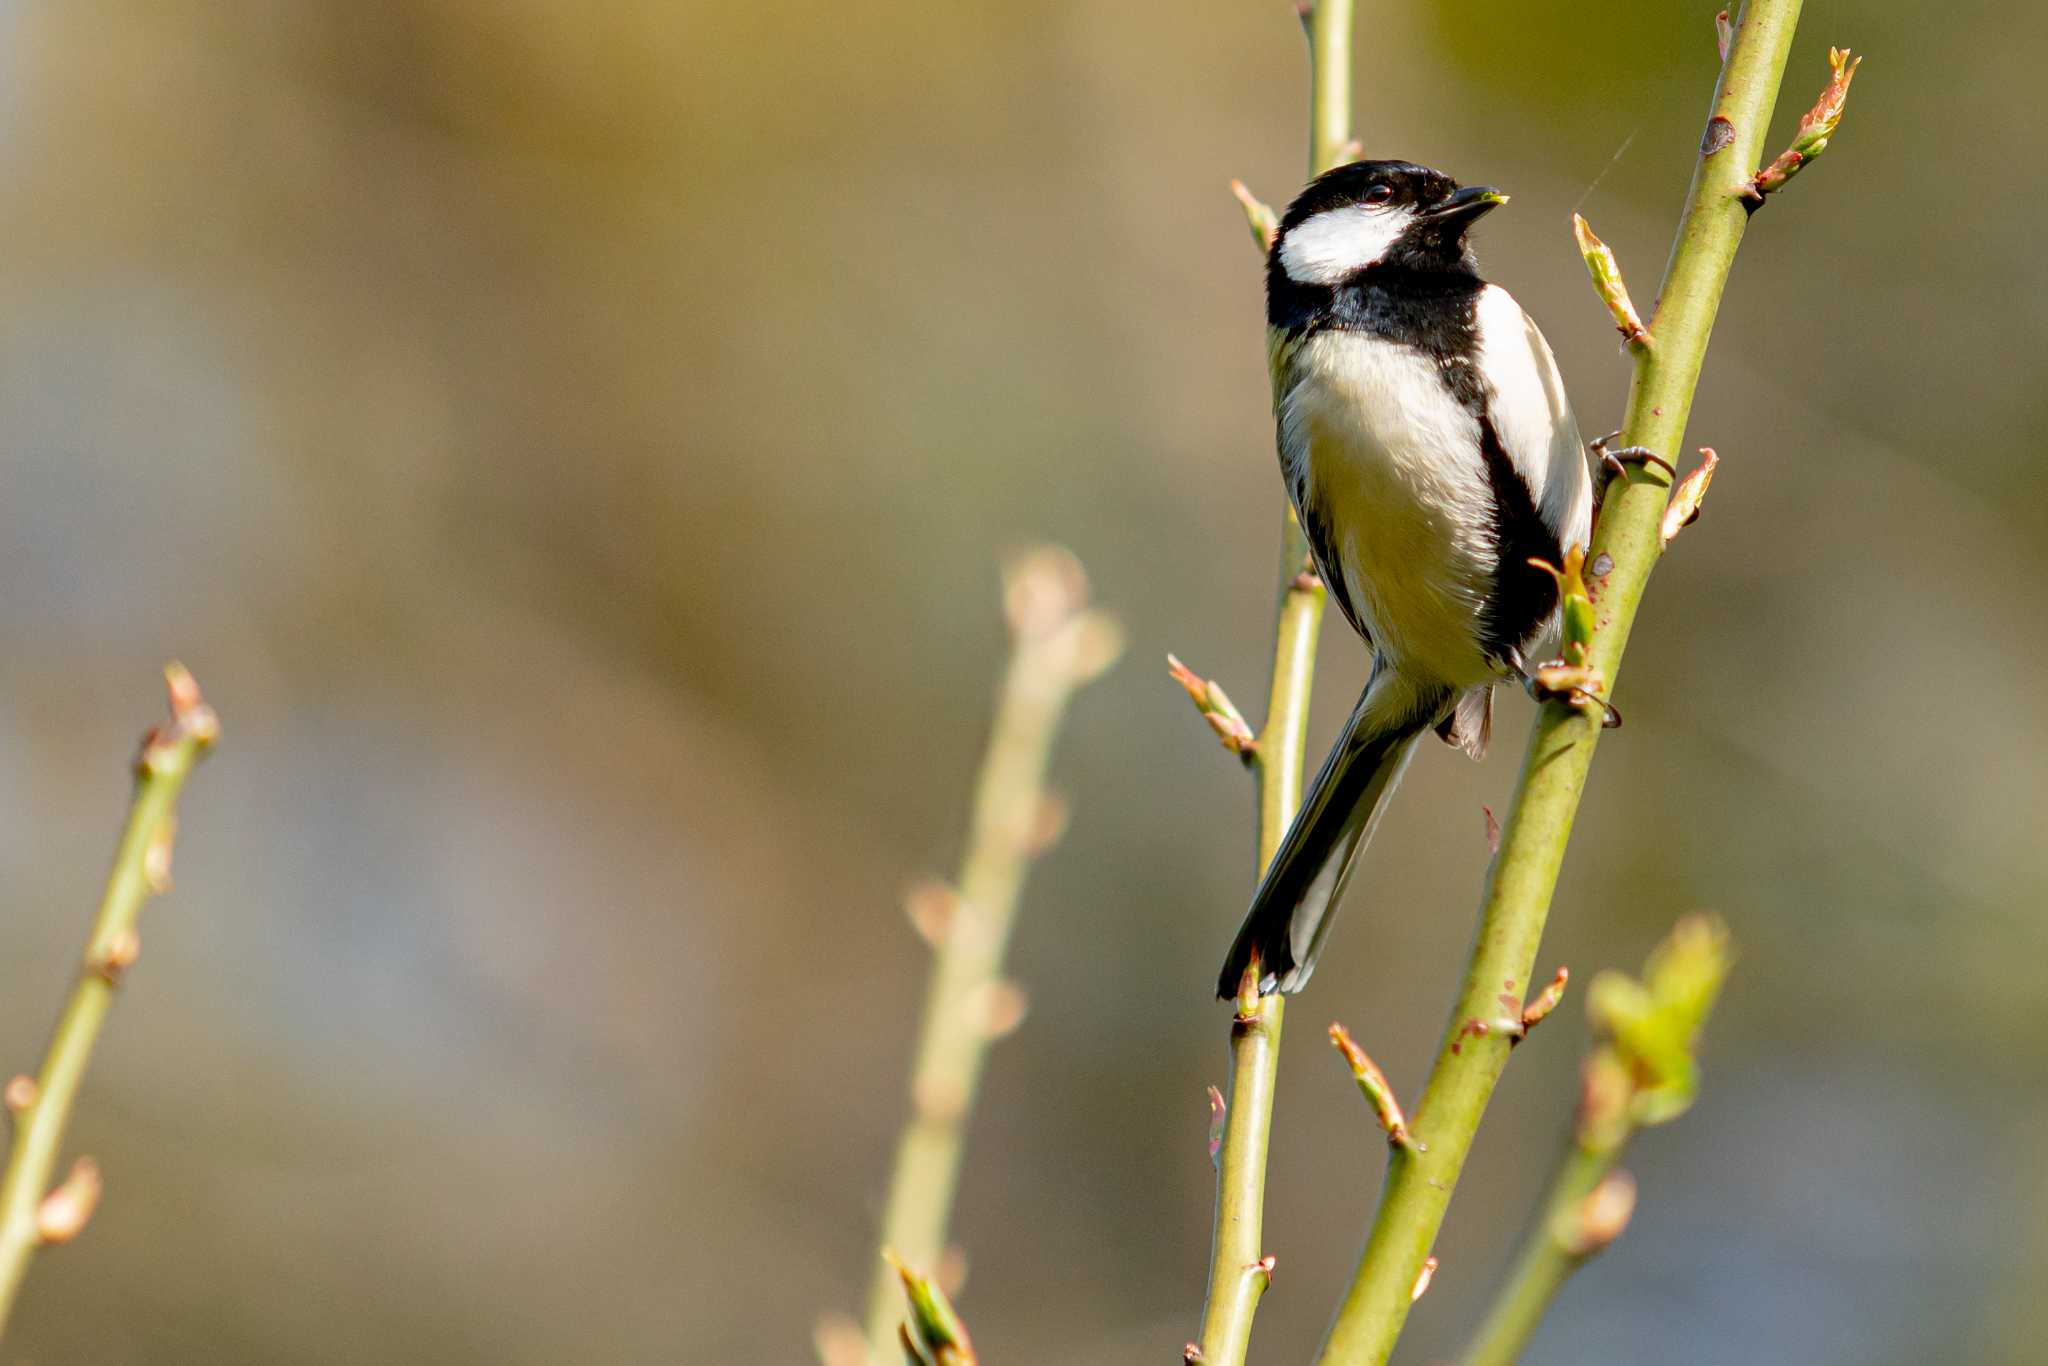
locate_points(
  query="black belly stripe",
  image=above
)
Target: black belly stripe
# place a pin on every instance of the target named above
(1523, 595)
(1322, 547)
(1435, 312)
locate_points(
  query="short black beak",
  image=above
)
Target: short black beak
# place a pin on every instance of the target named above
(1468, 203)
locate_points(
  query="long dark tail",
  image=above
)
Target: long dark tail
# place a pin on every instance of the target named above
(1297, 899)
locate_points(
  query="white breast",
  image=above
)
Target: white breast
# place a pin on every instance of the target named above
(1390, 463)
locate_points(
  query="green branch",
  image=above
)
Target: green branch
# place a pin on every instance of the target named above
(1239, 1269)
(31, 1214)
(1626, 545)
(1642, 1071)
(1059, 644)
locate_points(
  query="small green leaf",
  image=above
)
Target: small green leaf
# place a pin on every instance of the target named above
(935, 1331)
(1654, 1024)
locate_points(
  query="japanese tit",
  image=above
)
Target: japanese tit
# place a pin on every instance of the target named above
(1430, 453)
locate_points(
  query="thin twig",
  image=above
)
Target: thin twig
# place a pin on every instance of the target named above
(31, 1214)
(1217, 709)
(1373, 1084)
(1239, 1269)
(1059, 644)
(1258, 215)
(1816, 127)
(1521, 881)
(1641, 1071)
(1607, 282)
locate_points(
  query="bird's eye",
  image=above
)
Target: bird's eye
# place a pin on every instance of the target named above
(1379, 194)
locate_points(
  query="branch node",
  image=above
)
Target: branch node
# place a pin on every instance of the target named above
(997, 1007)
(189, 711)
(64, 1212)
(1373, 1083)
(1258, 215)
(1232, 730)
(1612, 289)
(117, 957)
(1217, 1110)
(1043, 589)
(1044, 825)
(1098, 644)
(1251, 1015)
(932, 907)
(156, 859)
(21, 1095)
(1592, 1225)
(1538, 1010)
(191, 721)
(1423, 1278)
(1573, 678)
(1684, 508)
(1816, 126)
(1724, 35)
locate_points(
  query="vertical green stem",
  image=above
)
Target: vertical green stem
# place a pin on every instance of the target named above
(1237, 1277)
(1519, 887)
(1329, 55)
(1059, 645)
(141, 864)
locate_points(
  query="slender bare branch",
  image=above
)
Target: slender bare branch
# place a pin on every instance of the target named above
(1059, 643)
(31, 1214)
(1239, 1269)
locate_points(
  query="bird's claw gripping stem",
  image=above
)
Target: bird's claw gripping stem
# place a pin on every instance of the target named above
(1557, 681)
(1615, 462)
(1572, 684)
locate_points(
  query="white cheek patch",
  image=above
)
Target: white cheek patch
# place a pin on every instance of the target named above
(1340, 242)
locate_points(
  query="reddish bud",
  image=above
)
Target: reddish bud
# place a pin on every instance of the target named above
(65, 1211)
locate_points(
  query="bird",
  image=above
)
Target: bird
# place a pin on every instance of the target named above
(1431, 455)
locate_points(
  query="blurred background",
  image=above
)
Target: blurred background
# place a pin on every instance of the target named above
(574, 446)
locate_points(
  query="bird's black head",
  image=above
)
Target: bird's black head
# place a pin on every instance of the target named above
(1379, 213)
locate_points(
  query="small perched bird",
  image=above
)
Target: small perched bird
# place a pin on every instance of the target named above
(1430, 454)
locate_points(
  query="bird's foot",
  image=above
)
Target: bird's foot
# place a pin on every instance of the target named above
(1575, 685)
(1616, 462)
